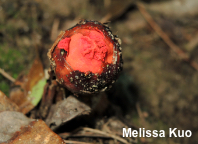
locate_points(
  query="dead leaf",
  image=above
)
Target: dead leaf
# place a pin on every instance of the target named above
(66, 110)
(11, 122)
(6, 104)
(16, 128)
(28, 90)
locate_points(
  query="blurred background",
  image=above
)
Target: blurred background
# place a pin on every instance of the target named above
(160, 52)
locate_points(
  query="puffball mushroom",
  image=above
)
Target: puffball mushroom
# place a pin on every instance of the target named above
(86, 58)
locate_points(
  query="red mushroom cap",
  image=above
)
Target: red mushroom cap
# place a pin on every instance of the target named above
(86, 58)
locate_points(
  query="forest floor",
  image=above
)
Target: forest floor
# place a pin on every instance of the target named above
(157, 89)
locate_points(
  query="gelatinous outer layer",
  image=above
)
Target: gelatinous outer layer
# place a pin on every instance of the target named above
(86, 58)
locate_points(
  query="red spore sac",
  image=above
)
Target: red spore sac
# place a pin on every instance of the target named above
(87, 58)
(64, 44)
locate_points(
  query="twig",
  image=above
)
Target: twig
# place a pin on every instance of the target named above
(85, 134)
(106, 18)
(92, 134)
(76, 142)
(165, 37)
(54, 32)
(6, 75)
(107, 134)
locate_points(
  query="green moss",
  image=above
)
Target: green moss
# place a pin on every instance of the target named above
(10, 61)
(4, 86)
